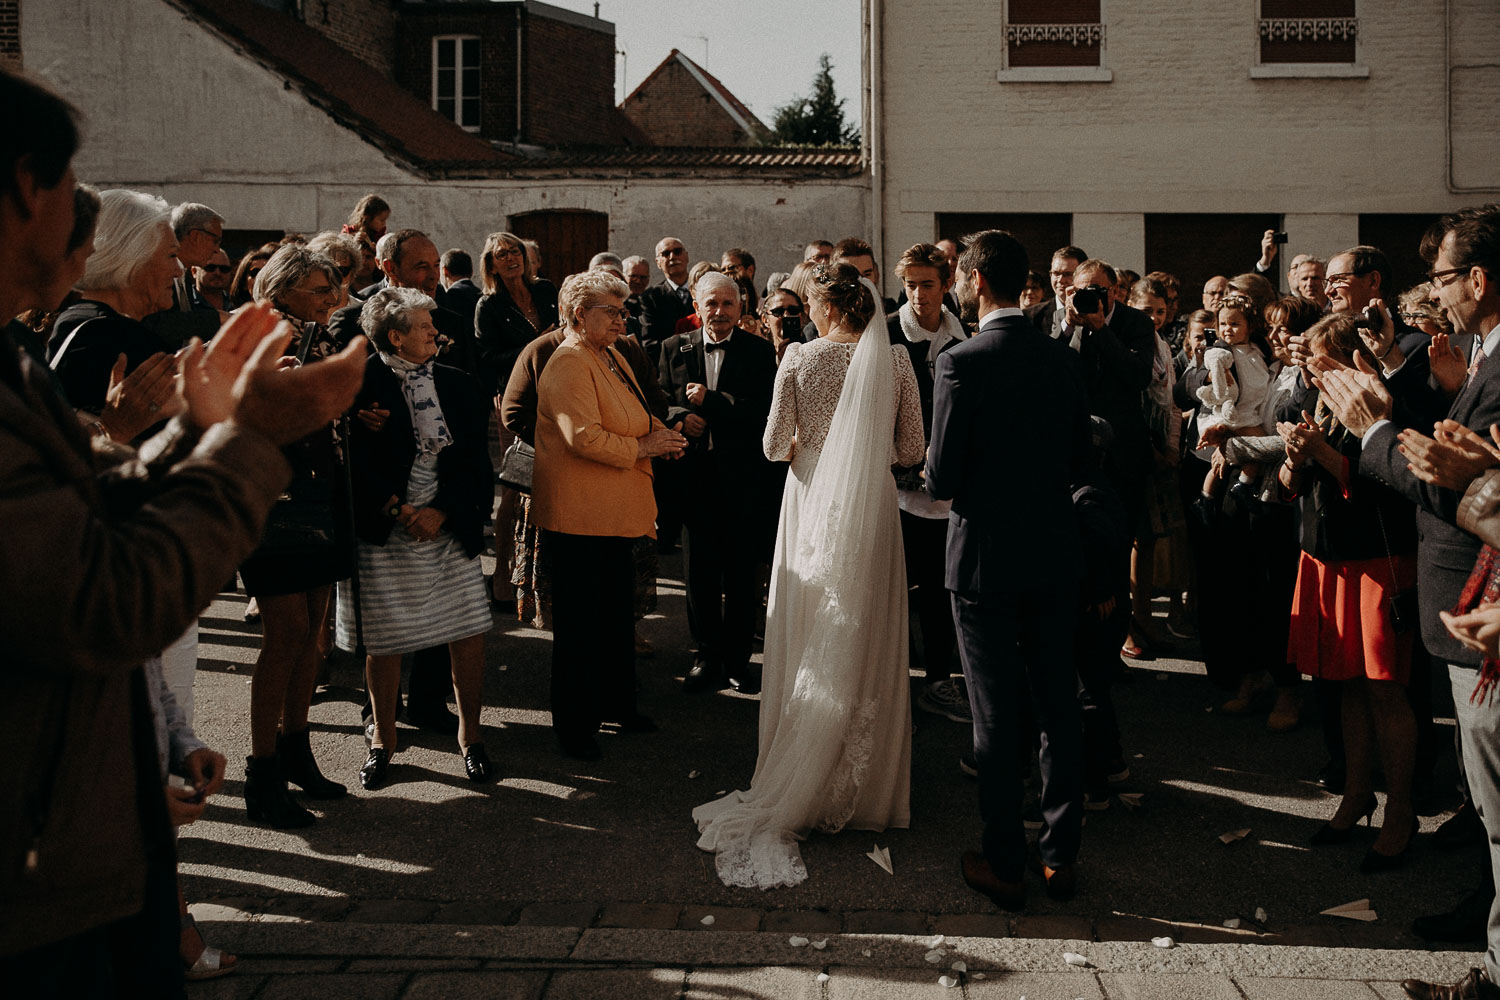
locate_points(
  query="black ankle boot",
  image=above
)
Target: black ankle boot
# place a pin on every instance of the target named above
(300, 768)
(266, 796)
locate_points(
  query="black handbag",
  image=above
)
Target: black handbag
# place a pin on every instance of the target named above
(516, 466)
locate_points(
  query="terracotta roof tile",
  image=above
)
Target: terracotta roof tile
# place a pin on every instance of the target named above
(351, 91)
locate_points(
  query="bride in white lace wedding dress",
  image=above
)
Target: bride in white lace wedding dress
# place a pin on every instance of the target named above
(835, 716)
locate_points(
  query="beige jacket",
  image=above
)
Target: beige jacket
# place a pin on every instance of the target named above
(103, 563)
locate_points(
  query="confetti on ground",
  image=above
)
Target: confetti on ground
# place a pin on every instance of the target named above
(1073, 958)
(1233, 923)
(1163, 942)
(798, 942)
(1234, 835)
(948, 981)
(937, 942)
(1140, 756)
(882, 857)
(1357, 910)
(707, 921)
(980, 975)
(936, 955)
(694, 774)
(1130, 800)
(1260, 914)
(959, 966)
(820, 945)
(867, 953)
(822, 977)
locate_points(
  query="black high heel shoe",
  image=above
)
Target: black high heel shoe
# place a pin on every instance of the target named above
(1328, 834)
(1375, 862)
(477, 764)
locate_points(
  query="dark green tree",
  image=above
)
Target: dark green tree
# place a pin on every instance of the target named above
(817, 120)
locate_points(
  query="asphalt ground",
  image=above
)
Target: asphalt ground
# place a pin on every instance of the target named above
(580, 838)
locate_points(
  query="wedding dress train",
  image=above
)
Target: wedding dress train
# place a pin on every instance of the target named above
(835, 719)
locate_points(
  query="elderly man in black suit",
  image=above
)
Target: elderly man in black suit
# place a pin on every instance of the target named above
(408, 259)
(719, 380)
(668, 301)
(1010, 437)
(1464, 251)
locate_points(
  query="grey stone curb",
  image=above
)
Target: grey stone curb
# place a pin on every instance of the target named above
(578, 947)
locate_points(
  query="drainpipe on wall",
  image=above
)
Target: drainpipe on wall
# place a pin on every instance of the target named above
(874, 132)
(520, 75)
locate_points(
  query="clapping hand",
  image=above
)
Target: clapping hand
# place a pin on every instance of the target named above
(1478, 630)
(1382, 340)
(1453, 457)
(1447, 363)
(1302, 439)
(1356, 395)
(1297, 347)
(136, 401)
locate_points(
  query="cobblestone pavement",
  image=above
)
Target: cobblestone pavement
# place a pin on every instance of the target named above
(567, 879)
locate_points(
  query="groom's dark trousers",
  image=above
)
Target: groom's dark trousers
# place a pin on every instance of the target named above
(1010, 435)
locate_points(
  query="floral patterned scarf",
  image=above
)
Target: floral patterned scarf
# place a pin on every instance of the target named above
(427, 423)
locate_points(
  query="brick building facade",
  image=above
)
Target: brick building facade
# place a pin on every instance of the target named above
(681, 104)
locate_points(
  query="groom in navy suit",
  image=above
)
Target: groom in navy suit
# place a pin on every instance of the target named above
(1010, 437)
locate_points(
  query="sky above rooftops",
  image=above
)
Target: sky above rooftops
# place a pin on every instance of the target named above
(765, 51)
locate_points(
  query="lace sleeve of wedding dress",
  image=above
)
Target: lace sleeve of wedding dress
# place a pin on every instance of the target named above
(781, 425)
(911, 442)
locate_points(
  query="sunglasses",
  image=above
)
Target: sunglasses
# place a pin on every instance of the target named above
(781, 312)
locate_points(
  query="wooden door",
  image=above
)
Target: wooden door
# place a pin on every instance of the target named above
(568, 238)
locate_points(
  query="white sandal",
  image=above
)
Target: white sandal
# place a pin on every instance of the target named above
(211, 963)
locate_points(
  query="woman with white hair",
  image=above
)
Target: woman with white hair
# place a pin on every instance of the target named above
(128, 278)
(423, 486)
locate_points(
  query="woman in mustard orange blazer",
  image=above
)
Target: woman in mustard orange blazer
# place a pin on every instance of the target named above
(591, 495)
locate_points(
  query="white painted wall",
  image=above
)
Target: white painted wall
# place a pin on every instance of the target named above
(1183, 127)
(174, 110)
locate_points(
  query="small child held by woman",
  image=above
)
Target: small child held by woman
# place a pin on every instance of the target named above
(1240, 371)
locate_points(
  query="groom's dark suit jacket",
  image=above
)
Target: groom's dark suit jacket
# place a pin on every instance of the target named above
(1010, 438)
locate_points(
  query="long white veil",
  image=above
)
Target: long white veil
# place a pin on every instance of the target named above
(845, 490)
(809, 776)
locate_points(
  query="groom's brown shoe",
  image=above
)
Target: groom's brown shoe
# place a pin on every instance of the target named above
(979, 876)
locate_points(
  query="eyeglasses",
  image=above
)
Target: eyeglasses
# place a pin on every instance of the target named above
(1343, 278)
(614, 312)
(781, 312)
(507, 253)
(325, 290)
(215, 268)
(1065, 275)
(216, 237)
(1436, 277)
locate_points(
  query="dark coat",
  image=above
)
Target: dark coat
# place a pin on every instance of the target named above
(502, 329)
(462, 297)
(84, 367)
(661, 308)
(381, 461)
(736, 411)
(1445, 553)
(1010, 437)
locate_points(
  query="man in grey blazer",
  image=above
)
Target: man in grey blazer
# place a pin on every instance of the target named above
(1010, 438)
(1464, 251)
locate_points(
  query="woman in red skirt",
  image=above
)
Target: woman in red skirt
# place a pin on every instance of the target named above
(1354, 611)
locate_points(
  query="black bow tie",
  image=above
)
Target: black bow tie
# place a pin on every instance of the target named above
(709, 345)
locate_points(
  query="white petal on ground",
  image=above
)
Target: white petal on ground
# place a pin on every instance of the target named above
(1163, 942)
(948, 981)
(797, 942)
(822, 977)
(1232, 923)
(1260, 914)
(707, 921)
(1073, 958)
(820, 945)
(936, 955)
(959, 966)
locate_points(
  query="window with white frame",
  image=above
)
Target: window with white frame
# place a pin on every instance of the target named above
(455, 79)
(1308, 33)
